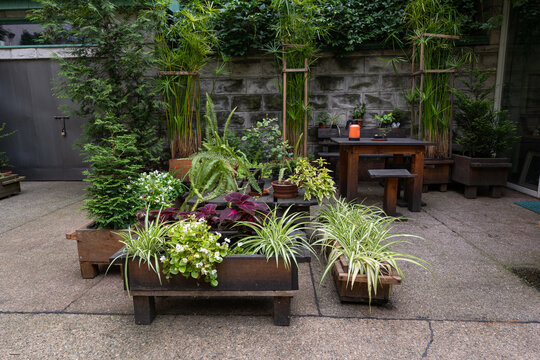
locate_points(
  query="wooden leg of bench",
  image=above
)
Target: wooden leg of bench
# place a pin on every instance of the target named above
(145, 309)
(390, 196)
(282, 310)
(470, 192)
(495, 191)
(443, 188)
(89, 270)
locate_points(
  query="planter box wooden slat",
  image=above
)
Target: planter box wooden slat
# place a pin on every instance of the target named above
(474, 172)
(94, 247)
(359, 291)
(238, 275)
(10, 185)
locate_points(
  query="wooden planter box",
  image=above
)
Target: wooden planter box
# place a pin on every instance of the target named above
(474, 172)
(359, 291)
(238, 275)
(437, 172)
(94, 246)
(10, 185)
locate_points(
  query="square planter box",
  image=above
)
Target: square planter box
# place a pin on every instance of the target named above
(10, 185)
(437, 172)
(359, 292)
(474, 172)
(94, 247)
(238, 275)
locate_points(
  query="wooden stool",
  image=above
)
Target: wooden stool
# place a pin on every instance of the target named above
(391, 186)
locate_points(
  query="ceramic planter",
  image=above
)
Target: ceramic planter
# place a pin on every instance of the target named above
(359, 291)
(238, 275)
(94, 247)
(474, 172)
(284, 190)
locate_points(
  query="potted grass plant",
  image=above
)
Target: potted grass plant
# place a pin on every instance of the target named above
(358, 240)
(186, 259)
(184, 42)
(484, 135)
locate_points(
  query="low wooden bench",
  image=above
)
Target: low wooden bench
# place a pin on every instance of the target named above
(391, 186)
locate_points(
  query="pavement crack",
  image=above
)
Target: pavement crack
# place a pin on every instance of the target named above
(430, 340)
(81, 295)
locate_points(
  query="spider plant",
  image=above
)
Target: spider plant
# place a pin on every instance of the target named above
(435, 17)
(184, 42)
(277, 236)
(144, 242)
(362, 234)
(297, 33)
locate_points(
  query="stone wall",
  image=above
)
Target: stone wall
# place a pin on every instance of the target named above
(337, 85)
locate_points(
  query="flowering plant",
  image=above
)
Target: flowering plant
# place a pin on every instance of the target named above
(158, 189)
(193, 251)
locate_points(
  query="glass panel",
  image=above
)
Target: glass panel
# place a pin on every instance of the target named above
(521, 91)
(24, 34)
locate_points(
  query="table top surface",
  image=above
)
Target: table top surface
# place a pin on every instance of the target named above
(387, 142)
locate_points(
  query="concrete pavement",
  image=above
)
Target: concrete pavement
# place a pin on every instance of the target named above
(471, 306)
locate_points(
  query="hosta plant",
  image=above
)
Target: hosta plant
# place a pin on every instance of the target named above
(193, 251)
(362, 234)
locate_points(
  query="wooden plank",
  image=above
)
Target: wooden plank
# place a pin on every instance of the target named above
(73, 234)
(295, 70)
(282, 310)
(390, 173)
(214, 293)
(145, 309)
(442, 36)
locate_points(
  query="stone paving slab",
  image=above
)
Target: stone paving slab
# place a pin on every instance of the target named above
(471, 306)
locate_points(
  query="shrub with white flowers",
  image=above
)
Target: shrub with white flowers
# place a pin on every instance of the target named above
(158, 189)
(193, 251)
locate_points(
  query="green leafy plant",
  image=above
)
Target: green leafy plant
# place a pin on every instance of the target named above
(297, 30)
(4, 161)
(385, 120)
(278, 237)
(359, 112)
(481, 130)
(193, 251)
(112, 166)
(214, 169)
(323, 119)
(145, 243)
(315, 178)
(157, 189)
(184, 42)
(264, 142)
(361, 234)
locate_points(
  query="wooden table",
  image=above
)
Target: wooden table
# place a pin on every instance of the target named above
(348, 164)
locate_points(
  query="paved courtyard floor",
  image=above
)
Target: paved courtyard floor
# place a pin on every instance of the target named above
(472, 305)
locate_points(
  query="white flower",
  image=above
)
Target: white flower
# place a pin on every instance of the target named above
(214, 272)
(218, 235)
(200, 264)
(204, 250)
(227, 240)
(216, 254)
(239, 244)
(184, 260)
(162, 258)
(179, 247)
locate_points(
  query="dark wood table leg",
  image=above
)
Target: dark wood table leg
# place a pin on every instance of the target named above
(390, 196)
(342, 164)
(282, 310)
(352, 174)
(145, 309)
(414, 187)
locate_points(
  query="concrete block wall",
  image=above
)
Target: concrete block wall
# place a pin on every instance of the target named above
(337, 84)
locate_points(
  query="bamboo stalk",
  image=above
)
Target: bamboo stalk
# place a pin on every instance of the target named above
(305, 107)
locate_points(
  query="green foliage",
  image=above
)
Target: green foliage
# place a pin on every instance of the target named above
(113, 164)
(264, 142)
(315, 178)
(385, 120)
(361, 234)
(157, 189)
(144, 243)
(481, 130)
(323, 118)
(193, 251)
(184, 41)
(244, 26)
(4, 161)
(110, 76)
(359, 112)
(276, 237)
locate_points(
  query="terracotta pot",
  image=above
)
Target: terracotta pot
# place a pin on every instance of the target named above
(179, 168)
(284, 190)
